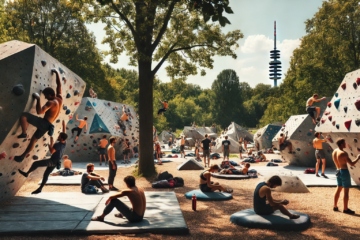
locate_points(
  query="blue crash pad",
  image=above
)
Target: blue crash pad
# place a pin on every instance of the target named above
(276, 221)
(208, 196)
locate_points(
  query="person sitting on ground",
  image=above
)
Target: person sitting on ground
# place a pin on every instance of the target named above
(127, 150)
(283, 143)
(67, 168)
(182, 147)
(342, 160)
(79, 129)
(319, 154)
(226, 148)
(311, 110)
(233, 170)
(261, 156)
(137, 199)
(93, 179)
(161, 110)
(51, 109)
(103, 151)
(263, 192)
(206, 185)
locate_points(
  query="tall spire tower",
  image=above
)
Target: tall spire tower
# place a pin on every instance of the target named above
(275, 64)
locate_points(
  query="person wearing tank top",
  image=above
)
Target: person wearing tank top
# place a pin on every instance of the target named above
(262, 194)
(206, 185)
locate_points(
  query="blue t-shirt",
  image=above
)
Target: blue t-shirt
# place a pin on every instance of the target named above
(226, 144)
(57, 155)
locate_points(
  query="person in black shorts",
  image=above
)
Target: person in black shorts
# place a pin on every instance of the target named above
(206, 149)
(311, 110)
(79, 128)
(57, 151)
(206, 185)
(283, 143)
(127, 150)
(226, 148)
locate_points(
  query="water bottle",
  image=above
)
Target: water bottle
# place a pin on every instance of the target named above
(194, 202)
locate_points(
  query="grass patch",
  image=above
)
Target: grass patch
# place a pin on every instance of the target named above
(233, 155)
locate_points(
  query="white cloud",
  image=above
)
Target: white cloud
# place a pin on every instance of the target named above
(287, 47)
(256, 44)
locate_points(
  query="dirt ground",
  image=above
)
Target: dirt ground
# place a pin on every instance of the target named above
(212, 219)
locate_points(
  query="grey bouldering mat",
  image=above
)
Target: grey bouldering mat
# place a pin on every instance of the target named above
(190, 164)
(69, 212)
(230, 176)
(68, 180)
(276, 221)
(208, 196)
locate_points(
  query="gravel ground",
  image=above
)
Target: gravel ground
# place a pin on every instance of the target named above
(212, 219)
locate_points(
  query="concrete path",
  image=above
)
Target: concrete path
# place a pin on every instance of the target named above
(70, 212)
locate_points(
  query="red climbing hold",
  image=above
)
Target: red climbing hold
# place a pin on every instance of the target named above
(77, 103)
(323, 120)
(326, 113)
(27, 155)
(333, 123)
(70, 117)
(3, 155)
(348, 124)
(70, 87)
(358, 81)
(85, 148)
(330, 117)
(329, 104)
(78, 144)
(72, 151)
(343, 86)
(329, 139)
(109, 104)
(357, 104)
(306, 153)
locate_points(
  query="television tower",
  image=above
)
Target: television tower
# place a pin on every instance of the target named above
(275, 65)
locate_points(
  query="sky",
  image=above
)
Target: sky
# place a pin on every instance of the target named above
(255, 19)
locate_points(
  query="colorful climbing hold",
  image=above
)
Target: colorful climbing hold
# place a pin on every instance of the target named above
(35, 157)
(18, 90)
(355, 85)
(337, 126)
(329, 139)
(358, 81)
(326, 113)
(61, 71)
(343, 86)
(65, 107)
(68, 112)
(336, 94)
(330, 118)
(57, 121)
(94, 103)
(345, 109)
(323, 120)
(77, 103)
(355, 140)
(329, 104)
(3, 155)
(348, 124)
(337, 103)
(71, 121)
(70, 86)
(357, 104)
(68, 95)
(109, 104)
(15, 145)
(298, 149)
(76, 92)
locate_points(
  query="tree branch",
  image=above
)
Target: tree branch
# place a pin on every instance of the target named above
(164, 26)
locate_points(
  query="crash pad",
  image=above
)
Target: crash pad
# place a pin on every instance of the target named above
(230, 176)
(276, 221)
(208, 196)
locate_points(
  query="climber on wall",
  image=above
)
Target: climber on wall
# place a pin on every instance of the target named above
(162, 109)
(283, 143)
(79, 129)
(51, 109)
(310, 109)
(57, 151)
(123, 118)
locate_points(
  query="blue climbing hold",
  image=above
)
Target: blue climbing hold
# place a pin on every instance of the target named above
(43, 62)
(94, 104)
(71, 121)
(298, 149)
(68, 95)
(337, 103)
(61, 71)
(0, 174)
(88, 104)
(65, 107)
(98, 126)
(68, 112)
(309, 134)
(336, 94)
(337, 126)
(13, 173)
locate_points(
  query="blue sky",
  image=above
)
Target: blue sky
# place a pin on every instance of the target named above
(255, 19)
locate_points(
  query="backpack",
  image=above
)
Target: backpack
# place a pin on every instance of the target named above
(161, 184)
(310, 171)
(179, 181)
(233, 163)
(90, 189)
(164, 176)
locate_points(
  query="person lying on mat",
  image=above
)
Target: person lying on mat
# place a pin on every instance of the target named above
(226, 165)
(67, 168)
(137, 198)
(206, 185)
(263, 193)
(232, 170)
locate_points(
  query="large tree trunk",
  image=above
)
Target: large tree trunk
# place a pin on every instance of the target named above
(146, 162)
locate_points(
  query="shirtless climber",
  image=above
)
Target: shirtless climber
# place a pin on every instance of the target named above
(310, 109)
(123, 118)
(79, 129)
(162, 109)
(51, 109)
(341, 160)
(283, 143)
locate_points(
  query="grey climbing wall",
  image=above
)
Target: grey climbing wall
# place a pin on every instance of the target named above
(29, 66)
(194, 134)
(342, 119)
(300, 130)
(103, 117)
(165, 136)
(263, 137)
(234, 133)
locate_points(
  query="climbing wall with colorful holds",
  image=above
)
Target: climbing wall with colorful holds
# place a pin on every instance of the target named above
(26, 69)
(342, 119)
(263, 137)
(103, 119)
(234, 133)
(300, 132)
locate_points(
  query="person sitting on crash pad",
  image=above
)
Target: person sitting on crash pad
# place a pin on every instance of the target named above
(230, 170)
(137, 199)
(206, 185)
(263, 192)
(67, 168)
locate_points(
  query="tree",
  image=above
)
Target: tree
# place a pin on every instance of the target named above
(228, 101)
(156, 31)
